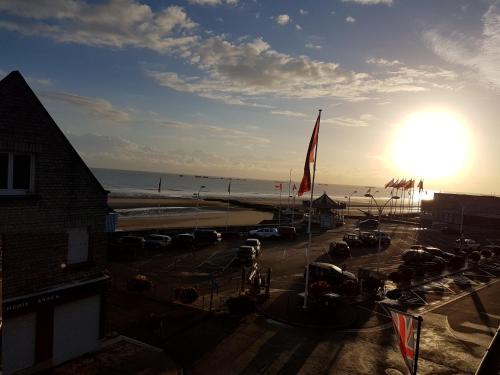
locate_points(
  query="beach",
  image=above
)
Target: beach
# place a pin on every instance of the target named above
(203, 213)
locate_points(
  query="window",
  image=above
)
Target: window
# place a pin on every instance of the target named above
(16, 173)
(78, 245)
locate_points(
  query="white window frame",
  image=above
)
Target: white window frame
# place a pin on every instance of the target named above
(10, 175)
(74, 257)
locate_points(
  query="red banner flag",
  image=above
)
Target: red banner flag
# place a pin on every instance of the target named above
(389, 184)
(305, 184)
(279, 187)
(407, 329)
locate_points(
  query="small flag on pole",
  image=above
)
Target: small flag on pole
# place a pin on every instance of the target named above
(159, 186)
(420, 186)
(389, 184)
(229, 187)
(407, 328)
(279, 187)
(294, 187)
(305, 184)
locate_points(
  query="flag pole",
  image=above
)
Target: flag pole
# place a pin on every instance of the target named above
(227, 207)
(279, 212)
(309, 221)
(417, 346)
(289, 186)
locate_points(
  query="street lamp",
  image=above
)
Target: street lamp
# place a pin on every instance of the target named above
(349, 202)
(198, 203)
(380, 210)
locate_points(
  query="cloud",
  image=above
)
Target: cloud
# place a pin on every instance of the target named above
(289, 113)
(303, 12)
(362, 121)
(370, 2)
(116, 23)
(382, 62)
(479, 54)
(350, 19)
(213, 2)
(121, 153)
(283, 19)
(97, 107)
(313, 46)
(236, 72)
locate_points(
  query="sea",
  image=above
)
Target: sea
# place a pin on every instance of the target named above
(122, 183)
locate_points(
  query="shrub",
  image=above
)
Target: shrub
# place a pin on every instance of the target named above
(486, 253)
(475, 256)
(394, 294)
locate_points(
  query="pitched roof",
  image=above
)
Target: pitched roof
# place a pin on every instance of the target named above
(326, 202)
(14, 86)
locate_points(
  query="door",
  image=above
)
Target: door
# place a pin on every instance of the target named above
(18, 343)
(76, 329)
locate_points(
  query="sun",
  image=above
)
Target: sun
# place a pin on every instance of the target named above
(431, 144)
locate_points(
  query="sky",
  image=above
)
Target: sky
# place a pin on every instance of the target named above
(408, 89)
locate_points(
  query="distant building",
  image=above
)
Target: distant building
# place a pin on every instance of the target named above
(52, 236)
(476, 210)
(325, 211)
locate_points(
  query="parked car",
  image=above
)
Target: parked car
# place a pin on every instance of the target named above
(368, 223)
(328, 272)
(466, 244)
(452, 259)
(417, 247)
(352, 239)
(246, 255)
(422, 259)
(339, 249)
(183, 240)
(288, 233)
(206, 236)
(157, 242)
(133, 243)
(265, 233)
(385, 239)
(368, 239)
(255, 243)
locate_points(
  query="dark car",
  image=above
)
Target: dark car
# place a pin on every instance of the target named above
(352, 239)
(385, 239)
(368, 239)
(157, 242)
(206, 236)
(422, 259)
(288, 233)
(246, 255)
(132, 243)
(183, 240)
(368, 223)
(339, 249)
(452, 259)
(328, 272)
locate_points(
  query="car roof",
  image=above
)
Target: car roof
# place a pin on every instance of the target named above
(252, 239)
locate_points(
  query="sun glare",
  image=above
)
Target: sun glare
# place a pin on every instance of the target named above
(431, 144)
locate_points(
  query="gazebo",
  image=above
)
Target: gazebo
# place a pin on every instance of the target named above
(325, 211)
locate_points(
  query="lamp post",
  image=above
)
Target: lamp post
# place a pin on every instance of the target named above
(198, 203)
(371, 198)
(349, 202)
(380, 210)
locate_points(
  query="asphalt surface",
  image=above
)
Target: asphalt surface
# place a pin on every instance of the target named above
(459, 309)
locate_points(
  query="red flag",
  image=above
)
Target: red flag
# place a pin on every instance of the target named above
(294, 187)
(406, 330)
(409, 184)
(389, 184)
(279, 187)
(305, 184)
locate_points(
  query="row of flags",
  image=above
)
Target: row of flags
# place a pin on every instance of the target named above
(404, 184)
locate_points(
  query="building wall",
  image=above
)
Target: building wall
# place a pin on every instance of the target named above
(66, 195)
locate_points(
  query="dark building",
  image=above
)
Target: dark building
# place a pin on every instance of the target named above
(473, 210)
(52, 235)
